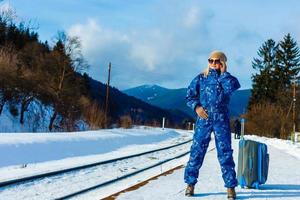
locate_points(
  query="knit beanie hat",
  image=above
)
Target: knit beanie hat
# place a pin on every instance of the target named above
(218, 54)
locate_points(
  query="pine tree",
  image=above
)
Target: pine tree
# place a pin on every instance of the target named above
(289, 62)
(277, 65)
(263, 89)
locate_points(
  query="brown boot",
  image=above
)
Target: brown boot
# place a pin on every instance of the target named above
(231, 195)
(189, 191)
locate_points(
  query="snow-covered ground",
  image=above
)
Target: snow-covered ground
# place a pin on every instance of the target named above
(283, 179)
(285, 145)
(73, 149)
(25, 148)
(24, 154)
(108, 144)
(54, 187)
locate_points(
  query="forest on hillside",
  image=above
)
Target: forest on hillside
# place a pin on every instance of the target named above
(46, 87)
(39, 83)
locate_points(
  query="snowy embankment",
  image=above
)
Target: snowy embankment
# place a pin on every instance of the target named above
(24, 154)
(36, 119)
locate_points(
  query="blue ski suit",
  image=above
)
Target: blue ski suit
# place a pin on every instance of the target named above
(213, 94)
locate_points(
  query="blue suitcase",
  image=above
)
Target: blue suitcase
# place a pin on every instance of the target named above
(253, 163)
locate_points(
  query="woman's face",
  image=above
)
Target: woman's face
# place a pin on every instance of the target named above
(214, 63)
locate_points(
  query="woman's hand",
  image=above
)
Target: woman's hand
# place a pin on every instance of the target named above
(223, 67)
(201, 112)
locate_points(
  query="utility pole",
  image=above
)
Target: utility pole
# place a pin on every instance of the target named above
(107, 93)
(294, 107)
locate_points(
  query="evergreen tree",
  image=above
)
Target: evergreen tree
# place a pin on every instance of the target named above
(289, 62)
(277, 65)
(263, 87)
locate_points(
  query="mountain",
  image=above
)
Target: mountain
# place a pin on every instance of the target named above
(147, 93)
(175, 98)
(161, 97)
(123, 104)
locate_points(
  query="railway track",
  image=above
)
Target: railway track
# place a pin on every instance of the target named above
(82, 179)
(140, 184)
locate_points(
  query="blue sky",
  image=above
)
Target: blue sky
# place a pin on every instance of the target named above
(163, 42)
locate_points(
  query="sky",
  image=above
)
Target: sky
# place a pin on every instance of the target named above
(163, 42)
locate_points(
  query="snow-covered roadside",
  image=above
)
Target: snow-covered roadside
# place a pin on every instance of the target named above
(284, 145)
(113, 142)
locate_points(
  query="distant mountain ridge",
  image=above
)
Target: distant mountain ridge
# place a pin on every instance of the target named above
(122, 104)
(175, 98)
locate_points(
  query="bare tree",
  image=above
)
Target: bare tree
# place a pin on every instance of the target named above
(64, 85)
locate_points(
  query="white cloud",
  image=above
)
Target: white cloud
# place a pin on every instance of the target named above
(148, 49)
(192, 17)
(169, 54)
(146, 54)
(154, 55)
(153, 48)
(94, 37)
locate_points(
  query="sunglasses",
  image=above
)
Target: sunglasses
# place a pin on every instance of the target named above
(216, 61)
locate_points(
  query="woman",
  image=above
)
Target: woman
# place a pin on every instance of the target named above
(208, 95)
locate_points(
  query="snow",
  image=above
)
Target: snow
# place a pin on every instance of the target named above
(285, 145)
(35, 120)
(44, 152)
(54, 187)
(131, 181)
(283, 179)
(8, 122)
(49, 188)
(149, 86)
(24, 148)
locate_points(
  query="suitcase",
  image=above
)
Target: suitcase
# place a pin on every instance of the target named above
(253, 163)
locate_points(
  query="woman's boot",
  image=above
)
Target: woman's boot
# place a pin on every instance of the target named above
(189, 191)
(231, 195)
